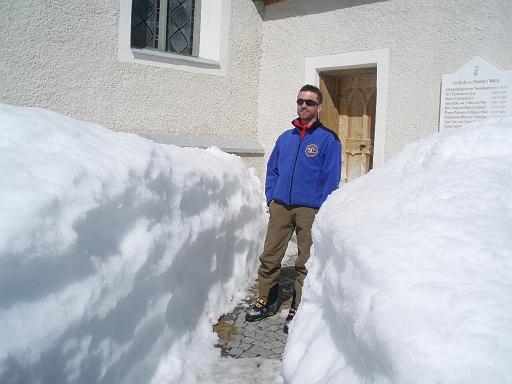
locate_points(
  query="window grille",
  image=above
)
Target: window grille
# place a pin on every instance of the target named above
(166, 25)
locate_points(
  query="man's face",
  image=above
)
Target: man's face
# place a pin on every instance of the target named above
(307, 112)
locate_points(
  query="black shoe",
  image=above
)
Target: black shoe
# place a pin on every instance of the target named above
(261, 309)
(289, 319)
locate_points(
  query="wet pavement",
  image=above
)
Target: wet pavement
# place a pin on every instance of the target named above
(265, 338)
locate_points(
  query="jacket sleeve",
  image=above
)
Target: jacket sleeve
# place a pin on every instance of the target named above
(272, 173)
(332, 168)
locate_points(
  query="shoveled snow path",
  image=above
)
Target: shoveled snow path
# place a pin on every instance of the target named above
(252, 352)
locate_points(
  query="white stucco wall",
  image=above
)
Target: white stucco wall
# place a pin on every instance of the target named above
(425, 39)
(64, 56)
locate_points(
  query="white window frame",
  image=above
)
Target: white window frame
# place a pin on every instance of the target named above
(211, 34)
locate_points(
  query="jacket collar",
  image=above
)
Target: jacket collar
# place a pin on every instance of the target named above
(298, 126)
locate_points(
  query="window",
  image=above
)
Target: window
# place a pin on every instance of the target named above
(166, 25)
(188, 35)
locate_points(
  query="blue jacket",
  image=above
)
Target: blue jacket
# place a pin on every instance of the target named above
(303, 172)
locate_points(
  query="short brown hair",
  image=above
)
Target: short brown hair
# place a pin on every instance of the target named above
(312, 88)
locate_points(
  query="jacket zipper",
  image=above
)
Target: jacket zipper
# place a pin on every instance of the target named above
(293, 171)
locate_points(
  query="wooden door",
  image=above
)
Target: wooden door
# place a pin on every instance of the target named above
(349, 109)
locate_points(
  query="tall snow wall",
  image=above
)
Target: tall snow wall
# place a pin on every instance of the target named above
(116, 254)
(410, 278)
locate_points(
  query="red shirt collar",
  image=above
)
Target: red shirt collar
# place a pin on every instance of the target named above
(303, 128)
(299, 125)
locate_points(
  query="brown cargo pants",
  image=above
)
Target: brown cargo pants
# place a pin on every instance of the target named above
(283, 220)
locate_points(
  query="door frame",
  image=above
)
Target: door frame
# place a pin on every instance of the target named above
(378, 58)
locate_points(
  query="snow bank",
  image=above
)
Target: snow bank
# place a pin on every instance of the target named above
(116, 254)
(410, 281)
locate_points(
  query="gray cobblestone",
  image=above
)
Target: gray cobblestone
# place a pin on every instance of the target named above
(267, 346)
(245, 347)
(264, 338)
(277, 344)
(278, 351)
(250, 353)
(235, 344)
(236, 352)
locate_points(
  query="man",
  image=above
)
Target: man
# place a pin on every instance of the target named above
(303, 169)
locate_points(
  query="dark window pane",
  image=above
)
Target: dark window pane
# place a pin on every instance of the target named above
(180, 26)
(144, 31)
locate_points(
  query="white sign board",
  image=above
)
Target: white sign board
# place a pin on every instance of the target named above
(477, 91)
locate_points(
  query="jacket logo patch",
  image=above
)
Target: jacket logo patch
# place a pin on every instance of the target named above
(311, 150)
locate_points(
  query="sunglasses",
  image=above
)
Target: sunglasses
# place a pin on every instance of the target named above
(308, 102)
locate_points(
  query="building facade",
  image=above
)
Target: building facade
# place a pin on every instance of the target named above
(226, 72)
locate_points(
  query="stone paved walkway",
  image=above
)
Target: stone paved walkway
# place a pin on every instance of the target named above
(264, 338)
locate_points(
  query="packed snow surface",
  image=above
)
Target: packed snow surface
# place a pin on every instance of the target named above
(411, 275)
(116, 254)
